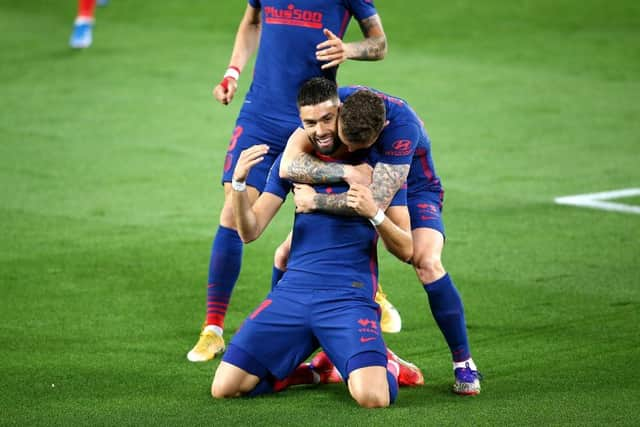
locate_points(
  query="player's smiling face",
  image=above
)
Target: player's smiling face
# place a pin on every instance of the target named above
(320, 124)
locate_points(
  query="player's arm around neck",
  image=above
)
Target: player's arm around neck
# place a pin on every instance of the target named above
(299, 164)
(387, 180)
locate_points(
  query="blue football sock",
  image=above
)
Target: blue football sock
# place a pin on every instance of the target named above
(393, 387)
(224, 269)
(276, 275)
(263, 387)
(446, 307)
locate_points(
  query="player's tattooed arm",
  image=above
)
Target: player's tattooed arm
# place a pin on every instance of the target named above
(310, 170)
(374, 46)
(334, 203)
(308, 200)
(387, 180)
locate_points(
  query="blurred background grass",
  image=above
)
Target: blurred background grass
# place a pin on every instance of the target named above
(110, 162)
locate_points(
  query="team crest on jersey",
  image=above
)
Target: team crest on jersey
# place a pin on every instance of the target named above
(401, 147)
(293, 16)
(368, 329)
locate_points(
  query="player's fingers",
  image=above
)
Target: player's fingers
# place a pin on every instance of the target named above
(259, 148)
(256, 161)
(328, 44)
(330, 57)
(332, 64)
(328, 34)
(218, 93)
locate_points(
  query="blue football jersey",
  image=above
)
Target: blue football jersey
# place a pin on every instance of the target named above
(330, 250)
(287, 53)
(403, 141)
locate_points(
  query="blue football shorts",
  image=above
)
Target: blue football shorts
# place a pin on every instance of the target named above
(291, 323)
(425, 210)
(252, 130)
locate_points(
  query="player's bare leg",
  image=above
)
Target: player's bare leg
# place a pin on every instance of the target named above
(231, 381)
(369, 387)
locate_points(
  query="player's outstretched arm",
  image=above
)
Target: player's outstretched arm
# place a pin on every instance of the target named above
(372, 48)
(245, 45)
(300, 165)
(394, 225)
(251, 220)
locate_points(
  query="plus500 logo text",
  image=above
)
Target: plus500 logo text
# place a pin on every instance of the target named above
(293, 16)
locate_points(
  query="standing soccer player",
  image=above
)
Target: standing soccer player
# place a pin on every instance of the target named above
(82, 34)
(390, 128)
(297, 41)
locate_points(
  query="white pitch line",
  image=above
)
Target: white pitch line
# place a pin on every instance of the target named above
(596, 200)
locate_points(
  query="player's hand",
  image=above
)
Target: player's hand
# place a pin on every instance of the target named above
(332, 51)
(225, 90)
(249, 158)
(359, 174)
(304, 198)
(360, 199)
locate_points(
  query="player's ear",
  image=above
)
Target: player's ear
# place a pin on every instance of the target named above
(386, 122)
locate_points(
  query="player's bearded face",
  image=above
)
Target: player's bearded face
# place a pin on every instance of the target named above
(320, 124)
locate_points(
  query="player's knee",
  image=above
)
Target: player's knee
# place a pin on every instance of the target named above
(368, 384)
(368, 397)
(428, 267)
(221, 389)
(227, 218)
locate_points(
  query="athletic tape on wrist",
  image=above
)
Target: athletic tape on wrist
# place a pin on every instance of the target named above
(378, 218)
(232, 72)
(238, 185)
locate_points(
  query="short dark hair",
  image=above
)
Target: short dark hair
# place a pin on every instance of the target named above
(362, 116)
(316, 91)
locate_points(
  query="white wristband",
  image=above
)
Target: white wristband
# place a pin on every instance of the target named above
(377, 218)
(238, 185)
(233, 72)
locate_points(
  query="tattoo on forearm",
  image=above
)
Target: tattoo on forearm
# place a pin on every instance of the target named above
(372, 47)
(387, 180)
(334, 204)
(308, 169)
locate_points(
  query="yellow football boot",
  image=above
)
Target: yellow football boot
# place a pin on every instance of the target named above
(208, 346)
(390, 320)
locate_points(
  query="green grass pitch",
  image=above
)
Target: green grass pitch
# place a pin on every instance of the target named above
(110, 162)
